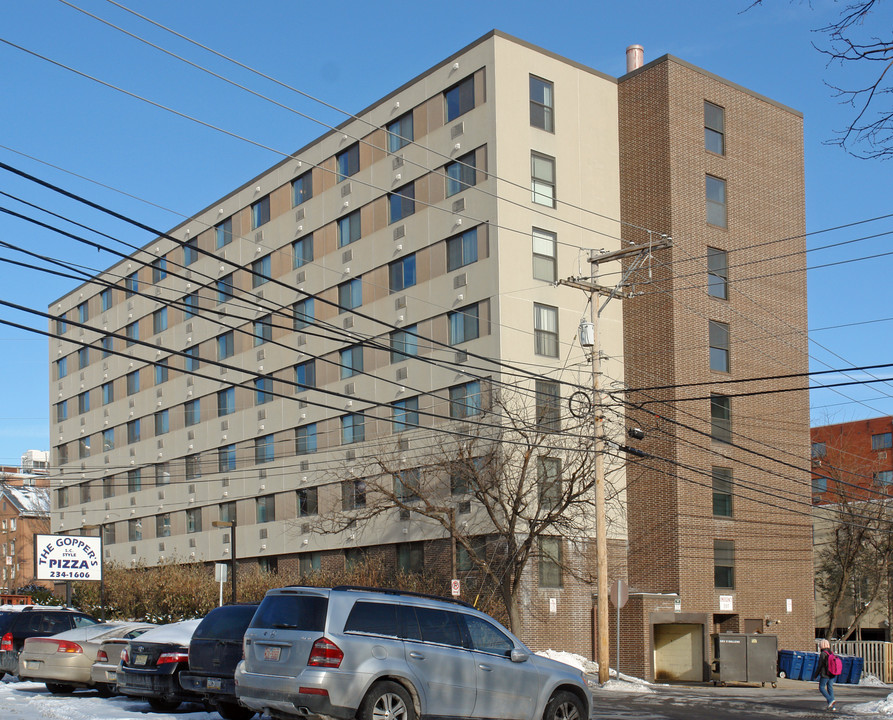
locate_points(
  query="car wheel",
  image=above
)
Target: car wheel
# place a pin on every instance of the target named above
(387, 701)
(564, 706)
(105, 690)
(162, 705)
(231, 711)
(60, 688)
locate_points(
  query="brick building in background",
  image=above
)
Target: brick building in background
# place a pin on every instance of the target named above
(24, 513)
(498, 166)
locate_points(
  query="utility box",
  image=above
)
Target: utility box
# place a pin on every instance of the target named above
(744, 657)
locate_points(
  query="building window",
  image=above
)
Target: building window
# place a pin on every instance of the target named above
(464, 324)
(133, 333)
(350, 295)
(131, 285)
(550, 562)
(819, 450)
(62, 411)
(884, 477)
(225, 288)
(132, 380)
(159, 269)
(542, 179)
(61, 325)
(542, 104)
(106, 344)
(105, 299)
(133, 431)
(83, 312)
(716, 201)
(719, 346)
(190, 305)
(83, 358)
(163, 474)
(720, 418)
(401, 203)
(717, 273)
(194, 520)
(723, 563)
(401, 273)
(260, 212)
(348, 161)
(462, 250)
(303, 310)
(406, 485)
(134, 530)
(351, 361)
(353, 494)
(193, 358)
(226, 458)
(353, 429)
(309, 563)
(548, 478)
(263, 390)
(225, 345)
(159, 321)
(302, 188)
(305, 375)
(465, 559)
(308, 502)
(461, 174)
(84, 447)
(405, 414)
(190, 251)
(714, 128)
(459, 99)
(193, 466)
(84, 402)
(161, 371)
(263, 330)
(548, 405)
(260, 271)
(882, 441)
(134, 480)
(62, 454)
(264, 449)
(108, 534)
(305, 439)
(163, 525)
(265, 509)
(224, 232)
(162, 422)
(108, 439)
(108, 486)
(192, 411)
(62, 367)
(302, 249)
(722, 492)
(400, 132)
(545, 330)
(404, 344)
(410, 557)
(349, 229)
(465, 399)
(545, 254)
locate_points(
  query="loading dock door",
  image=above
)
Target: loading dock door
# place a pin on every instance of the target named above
(679, 652)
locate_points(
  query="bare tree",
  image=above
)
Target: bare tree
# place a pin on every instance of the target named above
(855, 38)
(505, 486)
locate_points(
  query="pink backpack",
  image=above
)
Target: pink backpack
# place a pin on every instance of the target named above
(835, 664)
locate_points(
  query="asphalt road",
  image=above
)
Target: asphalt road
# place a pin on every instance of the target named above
(791, 699)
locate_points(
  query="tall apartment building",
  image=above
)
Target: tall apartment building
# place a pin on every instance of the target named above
(416, 251)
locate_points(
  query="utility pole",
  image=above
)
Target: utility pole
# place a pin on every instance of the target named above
(601, 533)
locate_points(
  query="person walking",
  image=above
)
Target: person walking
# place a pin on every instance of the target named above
(826, 678)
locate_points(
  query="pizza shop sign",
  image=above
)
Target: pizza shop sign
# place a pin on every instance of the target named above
(66, 557)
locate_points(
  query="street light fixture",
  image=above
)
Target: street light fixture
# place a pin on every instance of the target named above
(232, 535)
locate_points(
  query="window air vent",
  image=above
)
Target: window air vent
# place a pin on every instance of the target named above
(351, 454)
(83, 376)
(108, 506)
(345, 189)
(132, 454)
(262, 534)
(157, 292)
(262, 474)
(347, 256)
(84, 420)
(348, 322)
(192, 490)
(191, 542)
(299, 214)
(461, 280)
(159, 393)
(302, 340)
(130, 403)
(161, 547)
(457, 130)
(224, 482)
(160, 495)
(259, 236)
(223, 370)
(465, 507)
(190, 435)
(400, 302)
(189, 327)
(107, 460)
(224, 424)
(459, 205)
(350, 389)
(188, 274)
(403, 444)
(260, 294)
(404, 514)
(302, 404)
(130, 304)
(226, 539)
(402, 373)
(190, 381)
(399, 232)
(160, 444)
(133, 549)
(260, 355)
(305, 528)
(398, 162)
(133, 500)
(461, 356)
(300, 277)
(304, 466)
(261, 414)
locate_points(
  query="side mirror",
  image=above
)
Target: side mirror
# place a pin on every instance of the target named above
(518, 656)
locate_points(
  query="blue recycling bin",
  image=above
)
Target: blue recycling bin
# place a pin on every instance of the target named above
(790, 664)
(846, 662)
(810, 663)
(856, 669)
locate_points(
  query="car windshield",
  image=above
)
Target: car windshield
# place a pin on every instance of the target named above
(226, 623)
(292, 612)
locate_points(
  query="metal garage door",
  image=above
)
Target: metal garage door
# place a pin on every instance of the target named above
(679, 652)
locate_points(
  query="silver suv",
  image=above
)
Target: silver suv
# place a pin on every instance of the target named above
(373, 654)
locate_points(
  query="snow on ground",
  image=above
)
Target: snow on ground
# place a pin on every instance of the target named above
(878, 707)
(621, 683)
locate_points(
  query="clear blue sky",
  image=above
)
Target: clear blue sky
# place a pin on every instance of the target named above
(349, 54)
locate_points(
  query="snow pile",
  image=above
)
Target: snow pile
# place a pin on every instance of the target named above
(872, 681)
(878, 707)
(621, 683)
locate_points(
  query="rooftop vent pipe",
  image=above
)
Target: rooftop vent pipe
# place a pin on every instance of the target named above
(635, 57)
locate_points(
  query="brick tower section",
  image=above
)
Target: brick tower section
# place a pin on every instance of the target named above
(673, 522)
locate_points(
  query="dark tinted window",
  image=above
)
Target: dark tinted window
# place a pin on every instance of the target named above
(6, 619)
(292, 612)
(44, 623)
(373, 618)
(437, 626)
(487, 637)
(226, 623)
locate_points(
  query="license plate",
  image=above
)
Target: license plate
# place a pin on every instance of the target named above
(214, 683)
(32, 664)
(272, 653)
(140, 659)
